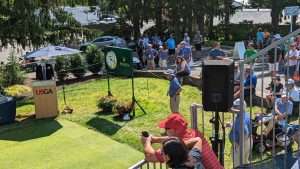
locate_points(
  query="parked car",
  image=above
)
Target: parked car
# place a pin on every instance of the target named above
(108, 21)
(105, 41)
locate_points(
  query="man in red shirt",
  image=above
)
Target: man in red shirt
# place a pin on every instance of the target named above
(176, 126)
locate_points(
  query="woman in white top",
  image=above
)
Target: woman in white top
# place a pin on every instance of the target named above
(292, 59)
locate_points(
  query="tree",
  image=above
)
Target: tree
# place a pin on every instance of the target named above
(94, 58)
(29, 23)
(11, 73)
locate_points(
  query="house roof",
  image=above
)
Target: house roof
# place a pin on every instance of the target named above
(84, 15)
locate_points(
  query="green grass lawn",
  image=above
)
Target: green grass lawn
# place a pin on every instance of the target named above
(151, 94)
(61, 144)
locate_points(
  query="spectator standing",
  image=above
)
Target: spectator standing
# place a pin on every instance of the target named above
(187, 38)
(249, 83)
(163, 57)
(198, 40)
(171, 45)
(250, 52)
(182, 69)
(146, 41)
(174, 92)
(267, 38)
(297, 42)
(150, 54)
(275, 60)
(234, 135)
(216, 53)
(185, 51)
(260, 38)
(294, 95)
(292, 56)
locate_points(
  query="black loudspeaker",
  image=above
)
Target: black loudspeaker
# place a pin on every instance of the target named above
(217, 85)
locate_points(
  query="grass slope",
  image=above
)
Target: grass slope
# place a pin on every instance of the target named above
(151, 94)
(48, 144)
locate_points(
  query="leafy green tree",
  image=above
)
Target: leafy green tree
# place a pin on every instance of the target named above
(76, 66)
(62, 67)
(11, 72)
(94, 58)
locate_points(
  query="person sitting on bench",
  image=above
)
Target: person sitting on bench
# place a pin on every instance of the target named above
(283, 108)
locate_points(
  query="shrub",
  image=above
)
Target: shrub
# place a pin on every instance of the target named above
(61, 67)
(122, 108)
(11, 73)
(107, 103)
(77, 66)
(94, 58)
(17, 90)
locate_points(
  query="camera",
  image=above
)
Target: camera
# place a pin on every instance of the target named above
(145, 134)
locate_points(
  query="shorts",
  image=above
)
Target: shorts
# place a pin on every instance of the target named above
(171, 51)
(163, 63)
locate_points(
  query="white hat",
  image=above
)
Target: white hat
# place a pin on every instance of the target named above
(284, 94)
(237, 104)
(277, 37)
(170, 72)
(290, 81)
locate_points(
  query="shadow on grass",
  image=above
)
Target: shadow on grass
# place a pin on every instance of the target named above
(30, 129)
(104, 126)
(24, 102)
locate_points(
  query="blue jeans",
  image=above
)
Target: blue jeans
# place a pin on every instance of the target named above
(290, 71)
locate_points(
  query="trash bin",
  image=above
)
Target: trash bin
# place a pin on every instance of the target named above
(7, 110)
(45, 99)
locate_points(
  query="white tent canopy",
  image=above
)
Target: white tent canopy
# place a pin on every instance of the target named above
(50, 52)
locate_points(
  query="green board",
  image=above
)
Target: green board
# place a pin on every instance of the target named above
(118, 61)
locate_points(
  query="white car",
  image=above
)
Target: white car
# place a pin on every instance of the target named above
(108, 21)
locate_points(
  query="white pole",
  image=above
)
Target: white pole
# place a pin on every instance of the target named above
(291, 29)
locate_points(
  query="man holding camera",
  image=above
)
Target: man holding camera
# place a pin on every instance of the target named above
(176, 126)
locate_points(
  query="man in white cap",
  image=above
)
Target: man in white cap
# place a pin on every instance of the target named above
(174, 91)
(234, 135)
(283, 108)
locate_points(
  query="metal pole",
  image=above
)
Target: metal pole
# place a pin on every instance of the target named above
(241, 139)
(251, 103)
(108, 85)
(133, 95)
(291, 28)
(262, 105)
(273, 119)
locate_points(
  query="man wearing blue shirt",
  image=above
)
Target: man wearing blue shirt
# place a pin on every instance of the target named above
(171, 45)
(185, 51)
(234, 135)
(174, 92)
(283, 109)
(249, 83)
(216, 53)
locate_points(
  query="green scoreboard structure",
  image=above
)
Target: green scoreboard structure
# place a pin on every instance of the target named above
(118, 61)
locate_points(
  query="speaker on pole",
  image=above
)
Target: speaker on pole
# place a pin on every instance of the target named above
(217, 85)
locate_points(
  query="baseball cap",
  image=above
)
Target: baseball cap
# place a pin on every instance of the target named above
(174, 121)
(284, 94)
(236, 105)
(290, 81)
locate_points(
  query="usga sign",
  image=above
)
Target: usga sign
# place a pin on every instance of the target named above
(43, 91)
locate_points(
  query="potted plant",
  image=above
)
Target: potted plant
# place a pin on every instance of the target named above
(107, 103)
